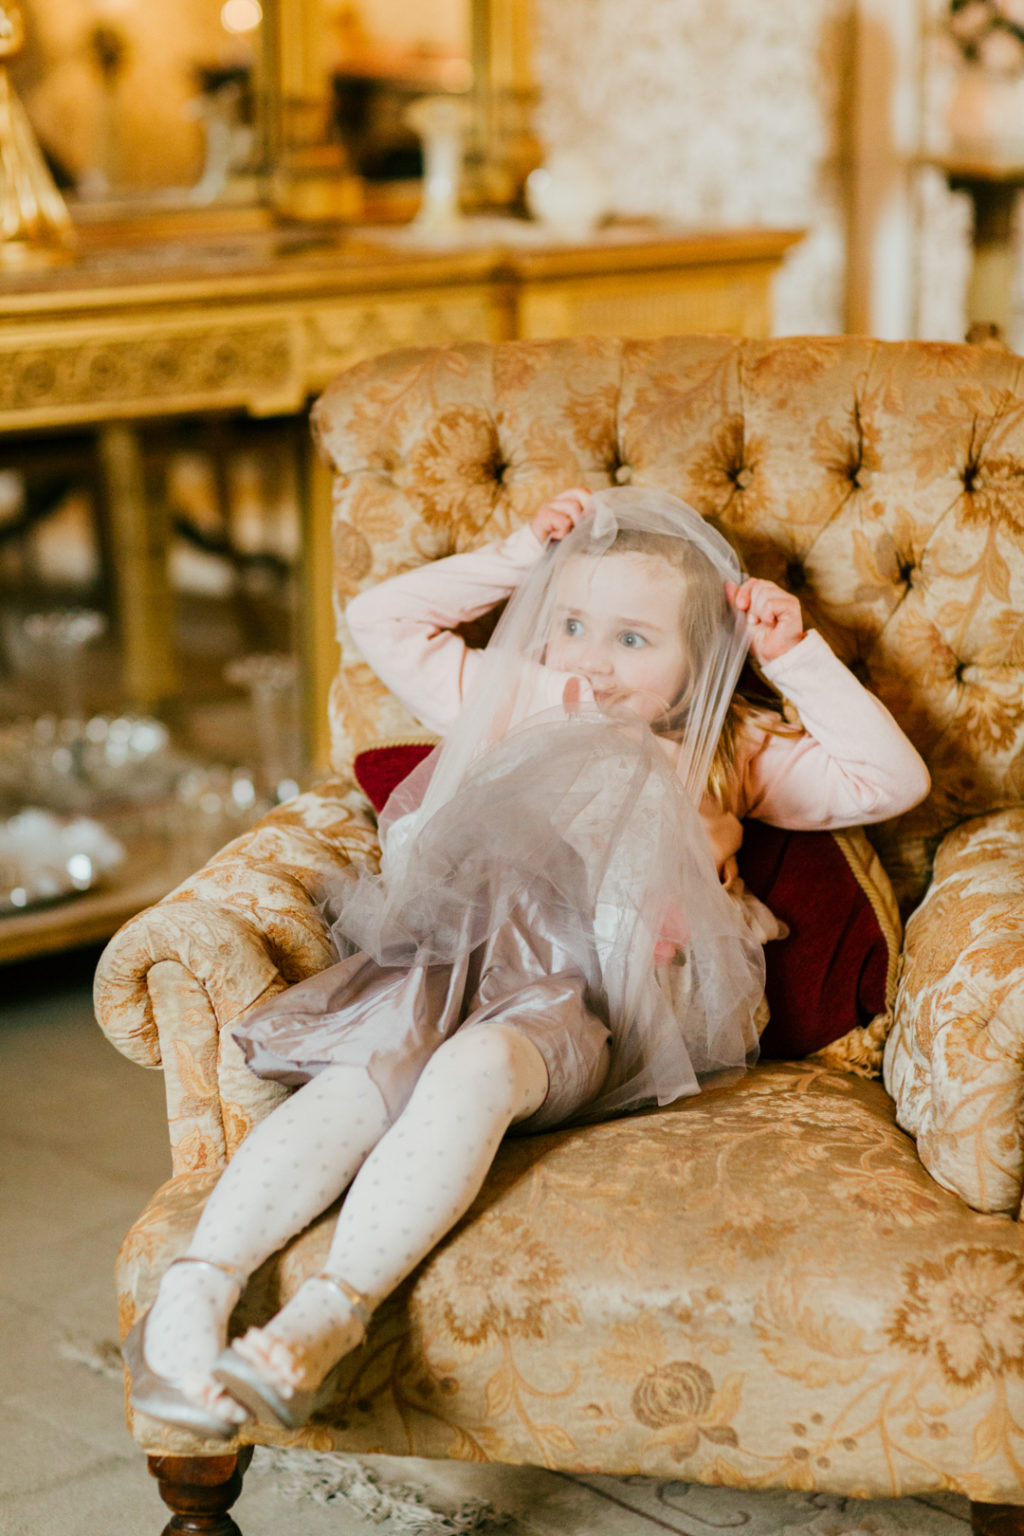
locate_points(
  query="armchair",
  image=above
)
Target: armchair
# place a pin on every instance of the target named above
(820, 1279)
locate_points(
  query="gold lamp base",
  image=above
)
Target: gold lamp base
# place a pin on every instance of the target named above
(35, 229)
(25, 256)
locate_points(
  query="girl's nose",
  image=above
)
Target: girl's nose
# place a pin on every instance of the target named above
(595, 662)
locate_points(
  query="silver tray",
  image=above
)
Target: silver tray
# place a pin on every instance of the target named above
(45, 858)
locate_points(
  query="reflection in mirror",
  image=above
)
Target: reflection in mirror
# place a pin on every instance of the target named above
(144, 99)
(164, 102)
(382, 56)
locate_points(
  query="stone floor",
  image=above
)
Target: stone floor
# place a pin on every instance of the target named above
(82, 1146)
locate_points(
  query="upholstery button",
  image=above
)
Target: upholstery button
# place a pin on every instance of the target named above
(741, 477)
(623, 474)
(796, 576)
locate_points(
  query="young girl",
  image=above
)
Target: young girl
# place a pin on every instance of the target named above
(557, 932)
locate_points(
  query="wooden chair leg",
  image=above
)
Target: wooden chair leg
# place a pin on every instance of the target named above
(199, 1491)
(997, 1519)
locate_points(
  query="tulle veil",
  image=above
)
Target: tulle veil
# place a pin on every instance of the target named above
(540, 797)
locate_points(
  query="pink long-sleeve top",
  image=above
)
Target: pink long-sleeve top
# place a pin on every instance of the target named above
(851, 763)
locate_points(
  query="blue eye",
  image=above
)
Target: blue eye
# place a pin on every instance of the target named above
(631, 640)
(573, 627)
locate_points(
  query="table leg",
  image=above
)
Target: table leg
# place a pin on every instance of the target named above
(320, 651)
(140, 537)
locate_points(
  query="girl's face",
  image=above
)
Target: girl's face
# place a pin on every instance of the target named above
(618, 623)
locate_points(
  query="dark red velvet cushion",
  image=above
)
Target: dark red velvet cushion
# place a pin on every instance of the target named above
(381, 769)
(827, 977)
(830, 974)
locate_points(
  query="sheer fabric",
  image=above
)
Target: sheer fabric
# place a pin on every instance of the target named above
(551, 805)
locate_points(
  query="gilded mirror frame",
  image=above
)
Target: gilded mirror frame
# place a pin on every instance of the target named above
(306, 178)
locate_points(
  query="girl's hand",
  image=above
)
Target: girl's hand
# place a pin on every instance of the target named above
(773, 617)
(560, 515)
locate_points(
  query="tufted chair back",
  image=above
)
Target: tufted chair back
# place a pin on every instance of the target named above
(881, 482)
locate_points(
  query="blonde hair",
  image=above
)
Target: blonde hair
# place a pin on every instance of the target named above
(704, 612)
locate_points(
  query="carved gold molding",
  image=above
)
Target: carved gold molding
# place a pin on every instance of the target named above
(341, 336)
(188, 368)
(269, 365)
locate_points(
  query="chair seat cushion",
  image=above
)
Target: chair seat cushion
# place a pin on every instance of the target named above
(791, 1302)
(833, 977)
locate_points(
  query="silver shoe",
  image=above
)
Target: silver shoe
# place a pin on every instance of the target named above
(158, 1397)
(263, 1400)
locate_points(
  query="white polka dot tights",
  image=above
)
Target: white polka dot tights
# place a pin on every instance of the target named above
(410, 1183)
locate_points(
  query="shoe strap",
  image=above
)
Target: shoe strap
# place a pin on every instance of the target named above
(238, 1276)
(361, 1305)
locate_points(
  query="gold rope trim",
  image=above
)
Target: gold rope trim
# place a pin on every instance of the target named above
(861, 1049)
(880, 897)
(425, 739)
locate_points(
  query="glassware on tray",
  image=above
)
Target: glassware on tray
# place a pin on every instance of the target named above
(44, 858)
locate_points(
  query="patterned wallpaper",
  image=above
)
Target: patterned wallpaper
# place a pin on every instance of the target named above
(723, 112)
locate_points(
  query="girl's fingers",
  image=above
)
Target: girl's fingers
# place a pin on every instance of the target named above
(784, 613)
(560, 515)
(769, 604)
(773, 615)
(739, 596)
(758, 600)
(566, 510)
(575, 502)
(765, 612)
(552, 522)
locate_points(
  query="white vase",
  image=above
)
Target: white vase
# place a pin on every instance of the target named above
(985, 115)
(567, 196)
(440, 121)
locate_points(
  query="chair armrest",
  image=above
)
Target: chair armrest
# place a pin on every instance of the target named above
(954, 1062)
(252, 921)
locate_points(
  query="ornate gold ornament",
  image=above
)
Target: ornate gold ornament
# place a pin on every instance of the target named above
(34, 223)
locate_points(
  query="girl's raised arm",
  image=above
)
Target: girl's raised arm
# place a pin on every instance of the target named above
(405, 627)
(852, 764)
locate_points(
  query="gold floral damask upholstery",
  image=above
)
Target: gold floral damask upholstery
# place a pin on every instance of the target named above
(253, 921)
(772, 1283)
(955, 1058)
(727, 1330)
(883, 483)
